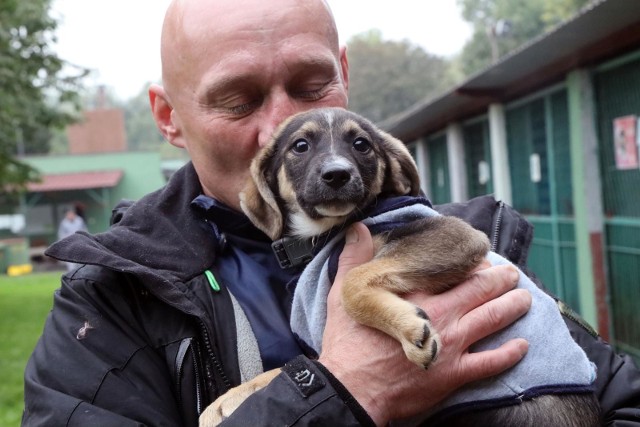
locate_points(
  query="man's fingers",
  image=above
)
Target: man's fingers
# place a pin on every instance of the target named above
(494, 315)
(488, 363)
(484, 285)
(358, 249)
(483, 265)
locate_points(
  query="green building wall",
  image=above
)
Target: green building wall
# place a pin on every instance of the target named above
(141, 174)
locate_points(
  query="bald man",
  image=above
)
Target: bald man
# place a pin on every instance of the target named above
(182, 298)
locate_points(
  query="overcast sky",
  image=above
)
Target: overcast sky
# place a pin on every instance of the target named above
(119, 39)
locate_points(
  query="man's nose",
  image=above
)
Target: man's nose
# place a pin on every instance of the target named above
(277, 110)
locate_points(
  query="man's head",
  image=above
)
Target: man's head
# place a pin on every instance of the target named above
(233, 70)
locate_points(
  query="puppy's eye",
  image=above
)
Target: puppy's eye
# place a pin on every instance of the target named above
(362, 145)
(300, 146)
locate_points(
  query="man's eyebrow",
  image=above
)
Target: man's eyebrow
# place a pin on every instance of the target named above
(227, 83)
(304, 65)
(313, 62)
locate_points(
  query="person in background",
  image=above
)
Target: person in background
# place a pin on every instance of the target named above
(71, 223)
(79, 208)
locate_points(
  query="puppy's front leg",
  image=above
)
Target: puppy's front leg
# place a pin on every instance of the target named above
(224, 406)
(370, 297)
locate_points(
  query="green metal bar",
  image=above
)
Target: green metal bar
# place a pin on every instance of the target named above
(475, 120)
(553, 243)
(623, 250)
(617, 62)
(578, 101)
(548, 220)
(548, 91)
(625, 221)
(543, 242)
(553, 196)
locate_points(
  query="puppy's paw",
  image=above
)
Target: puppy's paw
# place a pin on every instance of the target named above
(226, 404)
(223, 407)
(419, 340)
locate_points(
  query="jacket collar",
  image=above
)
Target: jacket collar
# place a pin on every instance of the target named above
(226, 219)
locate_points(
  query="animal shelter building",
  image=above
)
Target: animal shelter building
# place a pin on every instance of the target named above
(553, 129)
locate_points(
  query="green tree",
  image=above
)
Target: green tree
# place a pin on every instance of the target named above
(501, 26)
(555, 11)
(37, 89)
(387, 77)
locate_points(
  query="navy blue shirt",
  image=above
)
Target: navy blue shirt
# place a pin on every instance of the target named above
(247, 266)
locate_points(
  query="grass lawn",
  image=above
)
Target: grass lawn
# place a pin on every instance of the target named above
(25, 302)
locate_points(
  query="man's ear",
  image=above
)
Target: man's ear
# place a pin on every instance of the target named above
(401, 177)
(258, 200)
(344, 67)
(164, 116)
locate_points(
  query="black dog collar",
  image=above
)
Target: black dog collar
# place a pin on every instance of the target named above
(293, 251)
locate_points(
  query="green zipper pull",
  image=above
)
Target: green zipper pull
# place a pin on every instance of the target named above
(212, 280)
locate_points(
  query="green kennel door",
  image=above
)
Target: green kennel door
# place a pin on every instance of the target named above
(617, 91)
(440, 190)
(539, 157)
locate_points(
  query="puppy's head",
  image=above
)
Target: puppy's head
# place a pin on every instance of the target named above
(320, 167)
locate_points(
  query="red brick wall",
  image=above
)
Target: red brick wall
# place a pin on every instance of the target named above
(101, 131)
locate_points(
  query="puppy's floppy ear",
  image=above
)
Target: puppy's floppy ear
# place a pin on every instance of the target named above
(401, 176)
(258, 200)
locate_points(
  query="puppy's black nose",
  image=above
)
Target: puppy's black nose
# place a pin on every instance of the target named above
(335, 177)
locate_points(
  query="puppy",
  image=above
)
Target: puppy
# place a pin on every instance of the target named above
(320, 170)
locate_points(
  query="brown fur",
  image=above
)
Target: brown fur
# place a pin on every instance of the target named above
(297, 187)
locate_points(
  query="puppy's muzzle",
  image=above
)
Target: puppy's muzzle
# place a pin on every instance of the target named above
(336, 176)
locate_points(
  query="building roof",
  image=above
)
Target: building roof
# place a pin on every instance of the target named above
(600, 31)
(76, 181)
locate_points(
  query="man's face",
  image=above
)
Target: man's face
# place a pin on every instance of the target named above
(242, 70)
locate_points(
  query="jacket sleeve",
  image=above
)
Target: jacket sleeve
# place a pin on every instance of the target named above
(92, 367)
(618, 381)
(303, 394)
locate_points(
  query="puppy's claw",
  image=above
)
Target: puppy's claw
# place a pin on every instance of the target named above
(434, 351)
(425, 336)
(426, 333)
(421, 313)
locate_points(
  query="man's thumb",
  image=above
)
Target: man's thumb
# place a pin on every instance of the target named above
(358, 249)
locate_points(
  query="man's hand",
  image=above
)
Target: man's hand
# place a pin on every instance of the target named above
(375, 370)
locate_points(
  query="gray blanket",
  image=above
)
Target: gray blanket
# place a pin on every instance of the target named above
(553, 364)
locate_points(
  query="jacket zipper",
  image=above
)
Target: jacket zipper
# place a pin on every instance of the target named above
(185, 345)
(183, 350)
(215, 361)
(497, 226)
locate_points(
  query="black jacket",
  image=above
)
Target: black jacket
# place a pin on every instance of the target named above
(137, 337)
